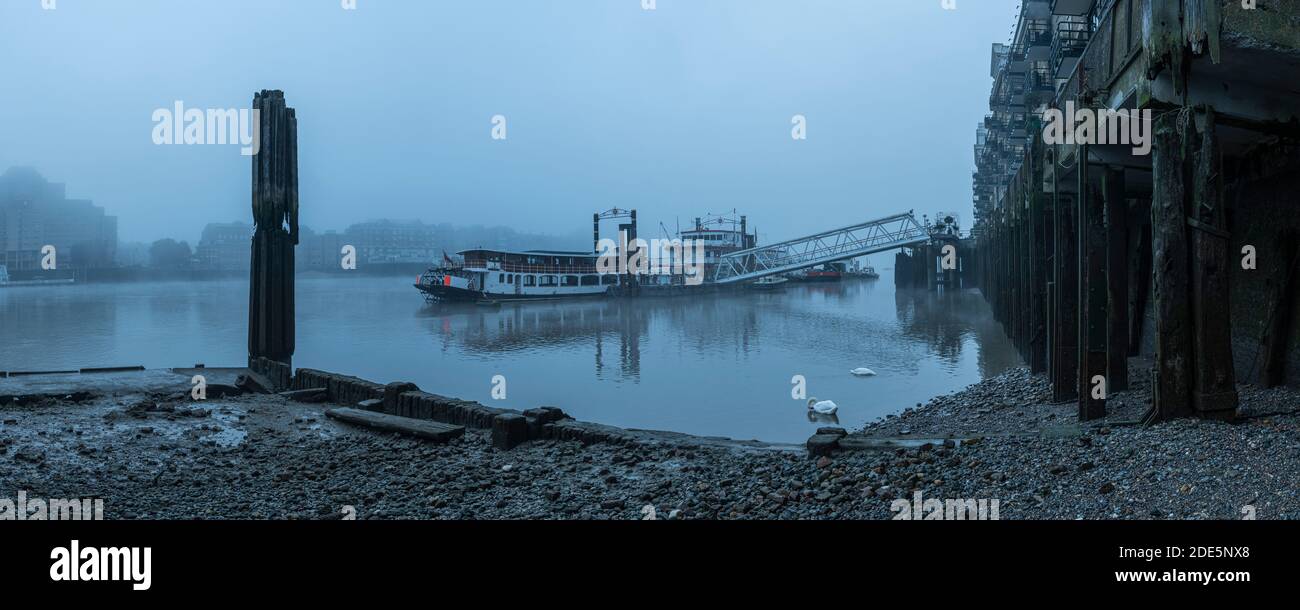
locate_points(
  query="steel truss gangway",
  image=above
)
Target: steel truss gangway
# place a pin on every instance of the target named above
(898, 231)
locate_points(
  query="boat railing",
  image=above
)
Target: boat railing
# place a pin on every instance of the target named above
(539, 269)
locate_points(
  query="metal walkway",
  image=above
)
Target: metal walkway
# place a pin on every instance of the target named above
(896, 231)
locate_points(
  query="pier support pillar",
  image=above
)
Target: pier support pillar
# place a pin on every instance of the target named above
(1171, 391)
(1065, 355)
(1038, 275)
(275, 216)
(1214, 388)
(1093, 383)
(1117, 279)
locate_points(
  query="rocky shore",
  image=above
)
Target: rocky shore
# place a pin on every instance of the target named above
(163, 456)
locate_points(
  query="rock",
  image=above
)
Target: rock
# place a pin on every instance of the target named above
(833, 430)
(823, 462)
(509, 430)
(372, 404)
(823, 444)
(612, 504)
(250, 383)
(29, 454)
(1106, 488)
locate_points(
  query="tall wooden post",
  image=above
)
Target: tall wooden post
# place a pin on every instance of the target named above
(1214, 389)
(1117, 278)
(275, 216)
(1171, 395)
(1092, 293)
(1066, 354)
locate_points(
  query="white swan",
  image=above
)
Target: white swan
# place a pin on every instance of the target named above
(863, 372)
(825, 407)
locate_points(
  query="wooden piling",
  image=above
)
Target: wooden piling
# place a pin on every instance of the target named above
(1171, 391)
(1093, 384)
(1214, 388)
(1065, 355)
(275, 215)
(1117, 279)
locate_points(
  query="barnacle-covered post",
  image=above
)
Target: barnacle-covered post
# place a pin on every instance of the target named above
(275, 217)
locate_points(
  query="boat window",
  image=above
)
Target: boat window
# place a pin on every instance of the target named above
(547, 280)
(510, 278)
(501, 278)
(591, 280)
(570, 280)
(608, 279)
(530, 280)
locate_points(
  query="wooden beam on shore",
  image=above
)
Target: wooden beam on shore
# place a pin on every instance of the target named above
(1214, 388)
(419, 428)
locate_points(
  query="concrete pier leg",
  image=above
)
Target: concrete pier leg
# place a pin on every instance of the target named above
(1093, 384)
(1171, 395)
(1214, 388)
(1117, 278)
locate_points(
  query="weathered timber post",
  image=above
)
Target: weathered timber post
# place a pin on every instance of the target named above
(1117, 278)
(1141, 285)
(1171, 391)
(275, 216)
(1214, 387)
(1037, 276)
(1277, 333)
(1092, 292)
(1066, 357)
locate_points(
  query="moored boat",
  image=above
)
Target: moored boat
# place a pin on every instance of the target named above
(503, 275)
(771, 282)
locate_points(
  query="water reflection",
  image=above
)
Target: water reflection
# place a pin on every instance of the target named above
(719, 364)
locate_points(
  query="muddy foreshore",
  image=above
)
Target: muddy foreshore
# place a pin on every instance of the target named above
(158, 455)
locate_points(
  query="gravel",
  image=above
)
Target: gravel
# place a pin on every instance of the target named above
(262, 457)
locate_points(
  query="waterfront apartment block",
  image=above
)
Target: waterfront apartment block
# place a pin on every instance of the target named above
(35, 213)
(224, 247)
(1136, 196)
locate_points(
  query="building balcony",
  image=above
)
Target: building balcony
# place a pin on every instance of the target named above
(1072, 36)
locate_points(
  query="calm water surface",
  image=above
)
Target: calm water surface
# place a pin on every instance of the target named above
(717, 365)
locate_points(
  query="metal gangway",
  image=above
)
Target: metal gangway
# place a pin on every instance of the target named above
(898, 231)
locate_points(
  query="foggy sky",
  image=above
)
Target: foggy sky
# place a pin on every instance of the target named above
(677, 112)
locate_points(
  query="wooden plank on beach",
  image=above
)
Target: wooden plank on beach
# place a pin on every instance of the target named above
(420, 428)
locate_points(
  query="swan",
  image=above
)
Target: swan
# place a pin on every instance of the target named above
(863, 372)
(825, 407)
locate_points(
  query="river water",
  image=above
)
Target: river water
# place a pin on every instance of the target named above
(718, 365)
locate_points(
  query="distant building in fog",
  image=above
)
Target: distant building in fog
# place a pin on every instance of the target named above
(35, 212)
(320, 251)
(225, 247)
(393, 241)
